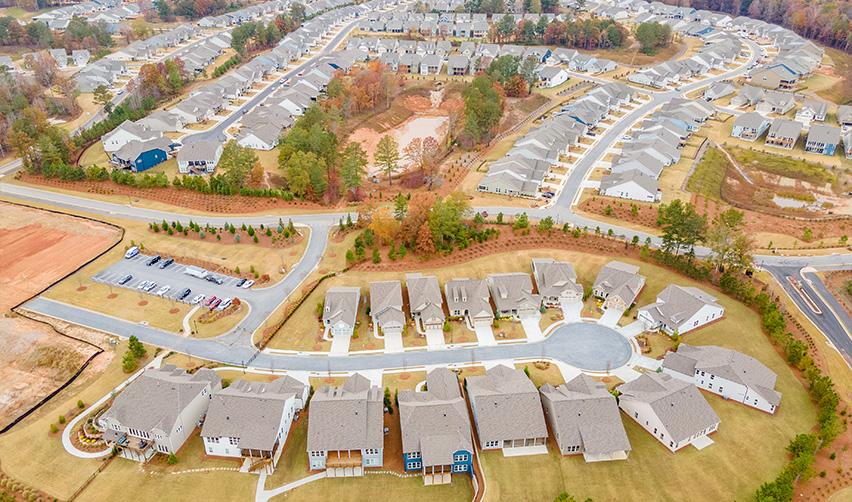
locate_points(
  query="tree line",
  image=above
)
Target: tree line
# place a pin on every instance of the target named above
(80, 34)
(579, 34)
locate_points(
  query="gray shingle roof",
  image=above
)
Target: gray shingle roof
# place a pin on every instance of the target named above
(620, 279)
(158, 396)
(435, 422)
(341, 304)
(250, 411)
(676, 304)
(553, 278)
(513, 291)
(681, 408)
(470, 295)
(348, 417)
(424, 297)
(506, 405)
(725, 363)
(586, 414)
(386, 303)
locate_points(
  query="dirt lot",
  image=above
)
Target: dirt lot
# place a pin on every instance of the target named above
(836, 282)
(40, 247)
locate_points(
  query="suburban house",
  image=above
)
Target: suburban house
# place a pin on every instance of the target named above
(139, 156)
(158, 411)
(725, 372)
(750, 126)
(340, 310)
(556, 282)
(784, 133)
(436, 433)
(847, 143)
(251, 420)
(552, 76)
(584, 419)
(671, 410)
(458, 65)
(469, 298)
(126, 132)
(680, 309)
(718, 90)
(774, 77)
(812, 110)
(776, 102)
(425, 302)
(749, 95)
(513, 296)
(200, 157)
(386, 307)
(507, 411)
(631, 184)
(345, 428)
(844, 116)
(618, 284)
(822, 139)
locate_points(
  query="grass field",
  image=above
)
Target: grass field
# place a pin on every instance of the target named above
(782, 165)
(382, 487)
(47, 465)
(709, 174)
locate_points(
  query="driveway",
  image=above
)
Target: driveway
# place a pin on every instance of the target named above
(485, 335)
(632, 329)
(532, 328)
(435, 339)
(340, 345)
(610, 317)
(393, 342)
(571, 311)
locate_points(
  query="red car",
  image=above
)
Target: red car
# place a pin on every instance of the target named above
(210, 301)
(215, 303)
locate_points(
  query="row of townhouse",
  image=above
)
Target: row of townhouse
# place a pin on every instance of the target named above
(433, 24)
(522, 172)
(429, 58)
(784, 133)
(158, 412)
(715, 55)
(109, 12)
(580, 62)
(635, 171)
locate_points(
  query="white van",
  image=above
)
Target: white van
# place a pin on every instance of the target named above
(131, 252)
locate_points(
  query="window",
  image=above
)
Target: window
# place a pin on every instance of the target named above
(459, 468)
(463, 457)
(413, 465)
(720, 389)
(712, 377)
(414, 454)
(234, 441)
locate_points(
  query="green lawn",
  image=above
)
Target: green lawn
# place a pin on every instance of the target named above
(783, 166)
(709, 174)
(380, 487)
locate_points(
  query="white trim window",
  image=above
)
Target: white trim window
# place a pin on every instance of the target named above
(413, 465)
(462, 457)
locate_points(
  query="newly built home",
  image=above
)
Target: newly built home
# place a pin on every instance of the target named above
(345, 428)
(126, 132)
(513, 296)
(158, 411)
(436, 433)
(670, 409)
(250, 420)
(750, 126)
(425, 301)
(140, 156)
(469, 298)
(507, 411)
(584, 419)
(725, 372)
(200, 157)
(386, 307)
(680, 309)
(632, 185)
(784, 133)
(340, 310)
(618, 284)
(822, 139)
(556, 282)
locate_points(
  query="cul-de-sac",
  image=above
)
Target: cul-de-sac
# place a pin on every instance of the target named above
(456, 250)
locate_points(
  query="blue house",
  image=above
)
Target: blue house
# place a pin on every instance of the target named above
(823, 139)
(436, 432)
(140, 156)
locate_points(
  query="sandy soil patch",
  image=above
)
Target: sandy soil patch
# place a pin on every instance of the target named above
(40, 247)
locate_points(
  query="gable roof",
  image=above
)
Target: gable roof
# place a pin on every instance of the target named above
(676, 304)
(348, 417)
(341, 305)
(506, 405)
(553, 278)
(424, 296)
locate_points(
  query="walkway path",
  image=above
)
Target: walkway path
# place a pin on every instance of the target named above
(262, 494)
(72, 425)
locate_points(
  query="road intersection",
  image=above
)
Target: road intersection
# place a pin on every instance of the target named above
(236, 347)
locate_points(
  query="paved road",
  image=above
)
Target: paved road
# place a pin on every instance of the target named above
(834, 322)
(217, 133)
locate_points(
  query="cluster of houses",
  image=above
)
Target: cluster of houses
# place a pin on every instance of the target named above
(524, 169)
(719, 50)
(111, 13)
(578, 62)
(248, 420)
(656, 143)
(443, 24)
(768, 117)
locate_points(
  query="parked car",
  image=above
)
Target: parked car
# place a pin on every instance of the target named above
(131, 252)
(225, 304)
(152, 260)
(547, 195)
(249, 283)
(124, 280)
(142, 285)
(183, 294)
(210, 301)
(166, 262)
(165, 289)
(215, 279)
(150, 287)
(197, 299)
(215, 303)
(240, 283)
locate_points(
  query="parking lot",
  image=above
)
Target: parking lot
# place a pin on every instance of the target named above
(169, 282)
